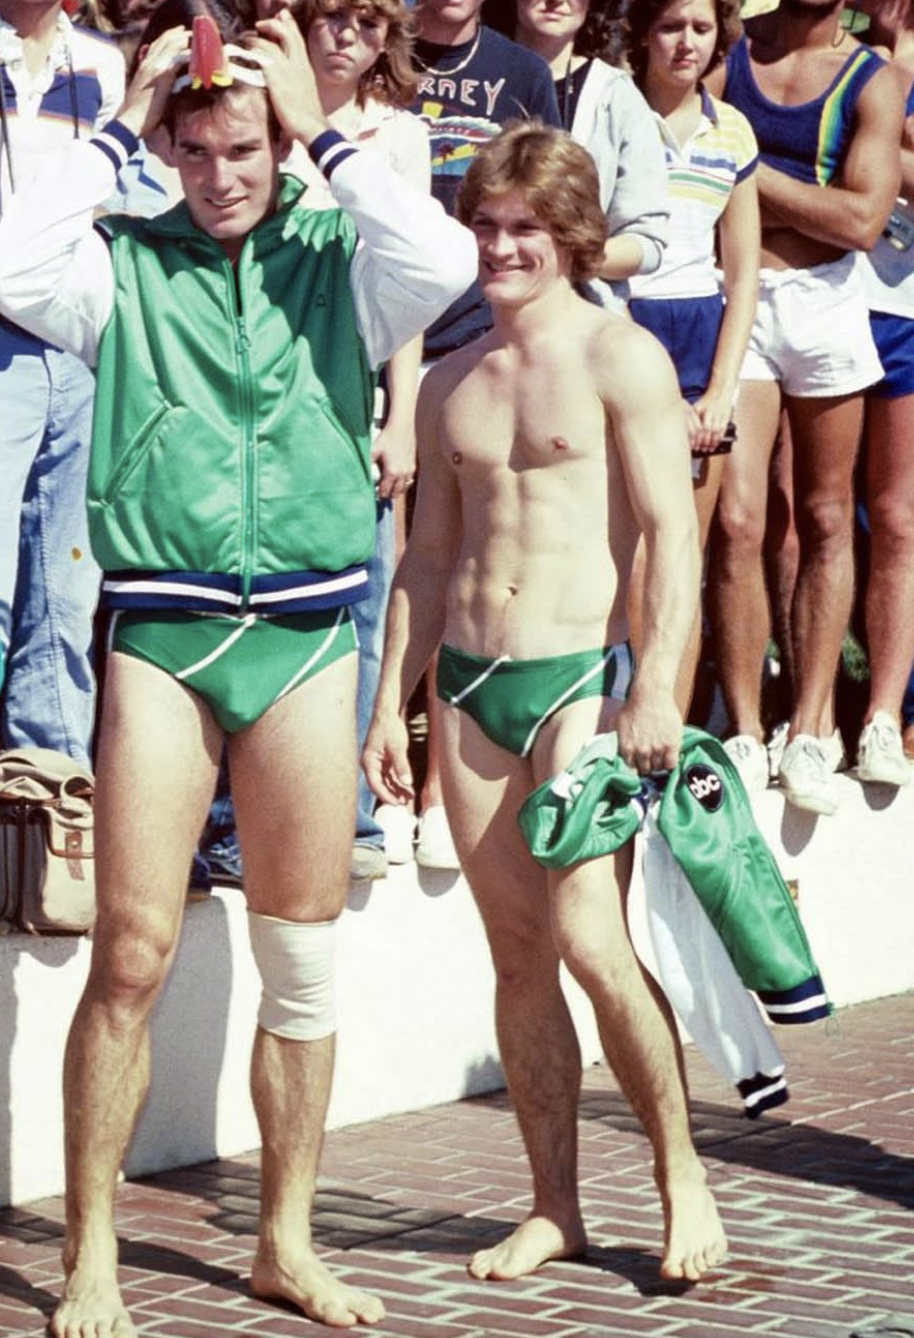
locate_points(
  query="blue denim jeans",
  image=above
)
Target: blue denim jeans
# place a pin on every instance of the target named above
(370, 614)
(48, 579)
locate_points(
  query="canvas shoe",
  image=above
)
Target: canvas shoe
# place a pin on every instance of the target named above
(435, 849)
(398, 823)
(367, 862)
(807, 772)
(880, 752)
(750, 759)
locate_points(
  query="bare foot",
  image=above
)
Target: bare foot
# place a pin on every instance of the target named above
(91, 1304)
(694, 1238)
(533, 1243)
(308, 1284)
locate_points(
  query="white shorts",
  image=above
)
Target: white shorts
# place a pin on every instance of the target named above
(811, 332)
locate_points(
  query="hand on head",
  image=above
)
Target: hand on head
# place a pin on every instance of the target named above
(150, 87)
(290, 78)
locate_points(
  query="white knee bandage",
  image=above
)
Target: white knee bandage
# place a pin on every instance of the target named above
(295, 962)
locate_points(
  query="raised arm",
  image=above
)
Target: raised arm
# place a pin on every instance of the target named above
(645, 411)
(413, 260)
(851, 212)
(418, 600)
(394, 448)
(55, 271)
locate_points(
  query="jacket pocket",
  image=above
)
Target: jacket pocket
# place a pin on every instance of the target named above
(133, 454)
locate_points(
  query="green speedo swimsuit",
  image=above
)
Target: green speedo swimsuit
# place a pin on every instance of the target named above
(511, 700)
(240, 666)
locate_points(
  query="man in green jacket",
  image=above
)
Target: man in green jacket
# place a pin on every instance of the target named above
(231, 506)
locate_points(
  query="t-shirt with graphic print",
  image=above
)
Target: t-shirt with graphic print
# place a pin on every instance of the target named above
(467, 94)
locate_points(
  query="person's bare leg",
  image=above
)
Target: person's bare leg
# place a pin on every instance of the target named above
(484, 787)
(635, 1023)
(432, 793)
(705, 490)
(890, 589)
(294, 782)
(782, 550)
(826, 435)
(158, 754)
(736, 579)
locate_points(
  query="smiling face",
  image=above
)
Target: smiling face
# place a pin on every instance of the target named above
(228, 160)
(680, 44)
(519, 259)
(344, 44)
(554, 20)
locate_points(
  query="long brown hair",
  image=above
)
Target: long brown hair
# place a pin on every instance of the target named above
(392, 78)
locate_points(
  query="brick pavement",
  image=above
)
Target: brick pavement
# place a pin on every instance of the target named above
(817, 1199)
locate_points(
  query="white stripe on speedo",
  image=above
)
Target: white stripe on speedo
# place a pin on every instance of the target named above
(560, 701)
(112, 628)
(247, 621)
(322, 648)
(481, 678)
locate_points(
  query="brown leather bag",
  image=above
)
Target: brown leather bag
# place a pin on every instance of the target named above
(47, 870)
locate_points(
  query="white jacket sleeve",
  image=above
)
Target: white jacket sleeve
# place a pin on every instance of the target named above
(412, 260)
(639, 206)
(56, 279)
(701, 983)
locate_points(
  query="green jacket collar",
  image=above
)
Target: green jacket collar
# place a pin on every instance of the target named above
(177, 222)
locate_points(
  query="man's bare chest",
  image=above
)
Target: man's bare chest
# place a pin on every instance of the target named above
(797, 77)
(553, 419)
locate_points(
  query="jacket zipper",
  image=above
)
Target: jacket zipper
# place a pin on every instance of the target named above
(249, 517)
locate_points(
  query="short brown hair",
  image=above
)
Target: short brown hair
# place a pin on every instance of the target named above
(641, 15)
(557, 176)
(189, 101)
(392, 78)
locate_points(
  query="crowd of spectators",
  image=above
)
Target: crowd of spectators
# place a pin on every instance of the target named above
(800, 424)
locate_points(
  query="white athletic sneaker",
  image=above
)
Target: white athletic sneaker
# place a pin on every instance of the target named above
(750, 759)
(777, 742)
(399, 826)
(834, 750)
(806, 774)
(880, 752)
(367, 862)
(435, 849)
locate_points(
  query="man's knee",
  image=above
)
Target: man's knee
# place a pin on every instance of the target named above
(892, 523)
(523, 955)
(597, 967)
(296, 965)
(825, 520)
(740, 531)
(129, 967)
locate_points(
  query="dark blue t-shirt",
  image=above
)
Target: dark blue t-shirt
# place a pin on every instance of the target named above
(466, 94)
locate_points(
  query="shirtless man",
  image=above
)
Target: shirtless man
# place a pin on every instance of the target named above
(547, 448)
(827, 116)
(221, 480)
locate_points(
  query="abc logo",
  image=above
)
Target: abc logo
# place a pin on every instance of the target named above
(706, 786)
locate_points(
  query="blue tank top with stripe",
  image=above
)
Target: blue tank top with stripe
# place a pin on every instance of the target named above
(806, 142)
